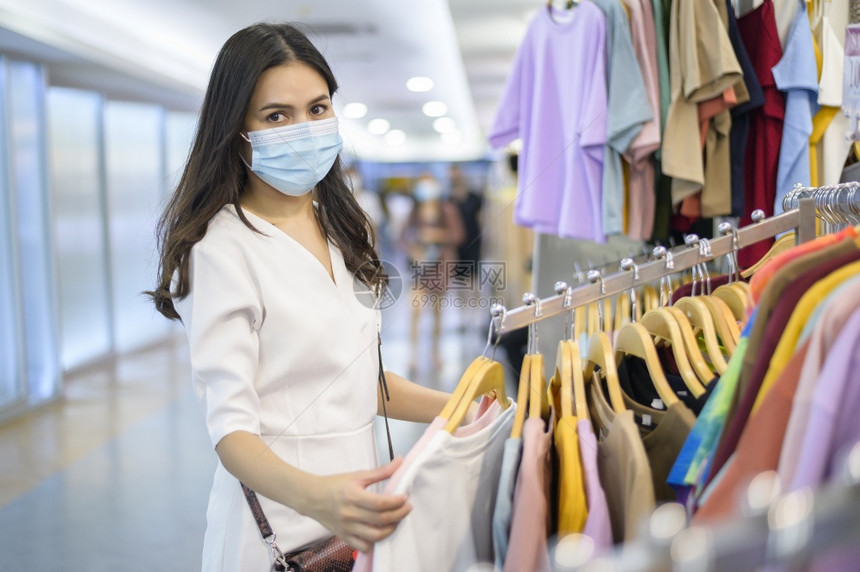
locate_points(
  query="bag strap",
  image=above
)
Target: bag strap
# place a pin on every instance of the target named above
(265, 529)
(383, 390)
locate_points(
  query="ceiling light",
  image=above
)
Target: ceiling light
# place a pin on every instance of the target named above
(419, 83)
(355, 110)
(444, 124)
(452, 137)
(395, 137)
(378, 126)
(434, 109)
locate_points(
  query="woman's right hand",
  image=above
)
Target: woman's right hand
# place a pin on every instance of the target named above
(354, 514)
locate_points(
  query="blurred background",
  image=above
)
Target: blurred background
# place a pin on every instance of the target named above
(103, 452)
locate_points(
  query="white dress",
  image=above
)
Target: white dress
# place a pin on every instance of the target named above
(281, 351)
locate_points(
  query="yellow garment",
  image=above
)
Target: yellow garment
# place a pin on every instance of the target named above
(572, 504)
(805, 307)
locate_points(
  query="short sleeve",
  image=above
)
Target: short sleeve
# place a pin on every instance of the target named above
(506, 122)
(222, 314)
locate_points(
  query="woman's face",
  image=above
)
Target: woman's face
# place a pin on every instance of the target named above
(288, 94)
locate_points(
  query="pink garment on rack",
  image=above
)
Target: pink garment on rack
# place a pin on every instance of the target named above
(527, 544)
(640, 214)
(597, 525)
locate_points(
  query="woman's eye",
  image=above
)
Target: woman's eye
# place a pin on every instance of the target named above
(318, 109)
(276, 117)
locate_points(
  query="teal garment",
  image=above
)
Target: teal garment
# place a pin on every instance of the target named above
(662, 64)
(503, 511)
(627, 109)
(692, 463)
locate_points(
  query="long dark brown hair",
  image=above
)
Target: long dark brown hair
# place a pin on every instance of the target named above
(214, 175)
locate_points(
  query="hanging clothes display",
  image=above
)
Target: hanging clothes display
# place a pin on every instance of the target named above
(555, 101)
(628, 109)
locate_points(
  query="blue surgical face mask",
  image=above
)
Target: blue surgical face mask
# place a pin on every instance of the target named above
(294, 158)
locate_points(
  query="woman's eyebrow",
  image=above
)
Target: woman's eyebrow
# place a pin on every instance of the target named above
(276, 105)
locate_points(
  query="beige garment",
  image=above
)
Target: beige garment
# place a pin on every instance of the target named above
(663, 435)
(625, 474)
(702, 65)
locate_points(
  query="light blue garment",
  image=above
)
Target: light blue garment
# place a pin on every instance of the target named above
(503, 512)
(796, 75)
(816, 313)
(627, 110)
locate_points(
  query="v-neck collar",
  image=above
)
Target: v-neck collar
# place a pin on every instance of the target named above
(332, 278)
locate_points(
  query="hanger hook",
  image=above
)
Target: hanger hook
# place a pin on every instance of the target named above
(725, 228)
(662, 253)
(628, 264)
(497, 319)
(595, 276)
(561, 288)
(692, 239)
(529, 299)
(706, 253)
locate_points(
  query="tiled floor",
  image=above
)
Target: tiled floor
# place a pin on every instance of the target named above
(116, 476)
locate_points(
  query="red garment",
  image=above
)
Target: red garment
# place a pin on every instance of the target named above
(761, 40)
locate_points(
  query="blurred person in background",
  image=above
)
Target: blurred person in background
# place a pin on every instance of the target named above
(433, 233)
(469, 202)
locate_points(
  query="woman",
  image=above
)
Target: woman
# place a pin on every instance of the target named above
(259, 248)
(432, 234)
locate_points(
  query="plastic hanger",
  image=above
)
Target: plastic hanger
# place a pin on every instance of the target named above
(634, 339)
(699, 317)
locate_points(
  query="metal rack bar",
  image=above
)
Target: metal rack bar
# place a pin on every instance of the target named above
(684, 257)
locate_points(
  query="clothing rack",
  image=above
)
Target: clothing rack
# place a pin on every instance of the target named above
(781, 529)
(836, 205)
(801, 219)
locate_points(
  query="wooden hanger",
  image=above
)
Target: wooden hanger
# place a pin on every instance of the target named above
(538, 402)
(600, 354)
(622, 311)
(634, 339)
(663, 324)
(734, 299)
(732, 332)
(522, 398)
(783, 243)
(700, 318)
(460, 390)
(568, 381)
(650, 298)
(488, 379)
(580, 318)
(704, 371)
